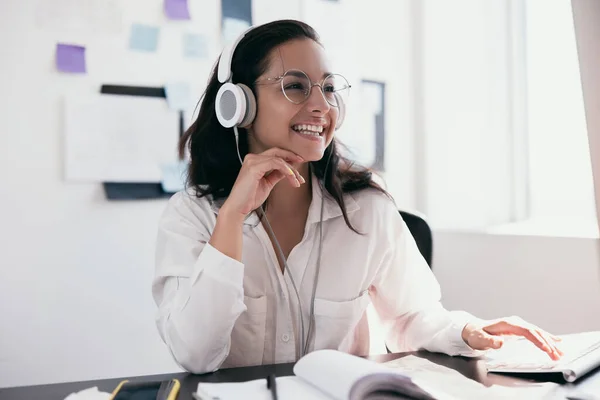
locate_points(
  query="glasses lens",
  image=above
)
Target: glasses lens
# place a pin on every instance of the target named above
(336, 89)
(296, 86)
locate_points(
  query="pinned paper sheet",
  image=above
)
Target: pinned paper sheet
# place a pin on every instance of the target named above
(194, 46)
(177, 9)
(232, 28)
(173, 176)
(143, 37)
(178, 95)
(70, 58)
(112, 138)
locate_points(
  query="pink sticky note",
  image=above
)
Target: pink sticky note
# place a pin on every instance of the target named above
(70, 58)
(177, 9)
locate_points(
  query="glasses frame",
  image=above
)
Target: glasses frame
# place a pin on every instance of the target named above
(319, 84)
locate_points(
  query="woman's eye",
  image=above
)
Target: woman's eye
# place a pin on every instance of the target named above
(295, 86)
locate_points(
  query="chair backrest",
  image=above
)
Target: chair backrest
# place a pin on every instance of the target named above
(421, 231)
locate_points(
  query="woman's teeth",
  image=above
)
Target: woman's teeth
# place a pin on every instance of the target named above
(312, 130)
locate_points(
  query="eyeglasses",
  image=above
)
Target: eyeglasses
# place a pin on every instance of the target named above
(297, 86)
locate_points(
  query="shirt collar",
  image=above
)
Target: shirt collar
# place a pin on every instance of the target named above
(331, 209)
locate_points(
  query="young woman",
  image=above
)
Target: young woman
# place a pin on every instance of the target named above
(279, 244)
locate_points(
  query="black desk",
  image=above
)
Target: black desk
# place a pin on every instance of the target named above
(471, 368)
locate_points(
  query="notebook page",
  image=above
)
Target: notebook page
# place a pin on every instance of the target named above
(288, 387)
(453, 383)
(335, 372)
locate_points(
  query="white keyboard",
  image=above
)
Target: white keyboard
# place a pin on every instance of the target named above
(581, 355)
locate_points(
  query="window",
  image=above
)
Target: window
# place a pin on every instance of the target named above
(561, 184)
(465, 130)
(502, 129)
(559, 198)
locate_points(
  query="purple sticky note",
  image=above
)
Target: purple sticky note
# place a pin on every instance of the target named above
(70, 58)
(177, 9)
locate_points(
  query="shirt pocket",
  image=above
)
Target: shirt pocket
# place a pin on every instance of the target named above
(335, 320)
(248, 335)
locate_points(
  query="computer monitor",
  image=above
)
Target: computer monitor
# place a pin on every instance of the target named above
(586, 18)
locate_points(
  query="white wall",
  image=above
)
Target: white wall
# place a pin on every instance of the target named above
(76, 271)
(553, 282)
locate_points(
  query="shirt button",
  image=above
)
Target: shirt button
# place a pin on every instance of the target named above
(285, 337)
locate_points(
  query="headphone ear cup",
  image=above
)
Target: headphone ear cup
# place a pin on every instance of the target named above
(230, 105)
(250, 113)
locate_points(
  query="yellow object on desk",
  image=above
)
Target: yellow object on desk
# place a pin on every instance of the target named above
(165, 390)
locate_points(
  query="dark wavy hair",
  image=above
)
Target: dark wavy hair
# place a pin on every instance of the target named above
(214, 164)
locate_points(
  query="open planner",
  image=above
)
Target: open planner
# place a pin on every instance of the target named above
(329, 375)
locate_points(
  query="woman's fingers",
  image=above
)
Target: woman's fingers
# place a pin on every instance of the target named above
(539, 339)
(274, 177)
(535, 335)
(287, 156)
(297, 174)
(278, 164)
(265, 159)
(551, 342)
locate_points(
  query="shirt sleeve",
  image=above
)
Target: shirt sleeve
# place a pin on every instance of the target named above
(198, 290)
(407, 297)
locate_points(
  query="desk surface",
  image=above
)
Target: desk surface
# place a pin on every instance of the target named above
(471, 368)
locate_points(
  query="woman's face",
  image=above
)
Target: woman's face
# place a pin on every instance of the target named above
(306, 128)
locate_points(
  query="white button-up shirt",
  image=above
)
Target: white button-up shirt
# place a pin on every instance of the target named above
(214, 311)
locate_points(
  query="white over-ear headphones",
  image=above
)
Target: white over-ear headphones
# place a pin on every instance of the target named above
(235, 104)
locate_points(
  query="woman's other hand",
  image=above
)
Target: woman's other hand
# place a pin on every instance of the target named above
(489, 335)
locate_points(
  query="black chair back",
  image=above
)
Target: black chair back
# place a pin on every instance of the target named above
(421, 231)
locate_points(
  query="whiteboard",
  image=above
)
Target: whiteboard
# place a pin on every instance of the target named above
(118, 138)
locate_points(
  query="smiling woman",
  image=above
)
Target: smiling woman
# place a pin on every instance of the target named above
(237, 285)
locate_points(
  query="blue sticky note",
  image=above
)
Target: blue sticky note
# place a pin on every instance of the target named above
(194, 46)
(173, 176)
(70, 58)
(178, 95)
(143, 37)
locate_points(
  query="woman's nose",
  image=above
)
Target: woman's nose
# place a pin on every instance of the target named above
(316, 100)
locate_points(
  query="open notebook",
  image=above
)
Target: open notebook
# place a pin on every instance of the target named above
(329, 375)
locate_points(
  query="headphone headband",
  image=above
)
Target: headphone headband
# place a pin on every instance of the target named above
(224, 70)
